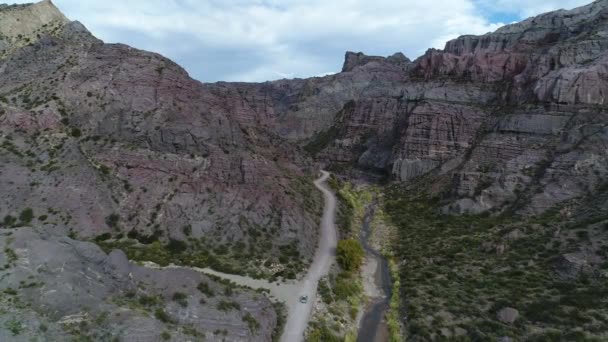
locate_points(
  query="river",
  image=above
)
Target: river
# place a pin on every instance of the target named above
(373, 326)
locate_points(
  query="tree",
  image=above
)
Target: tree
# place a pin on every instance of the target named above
(350, 254)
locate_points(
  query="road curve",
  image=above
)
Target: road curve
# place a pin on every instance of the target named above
(290, 292)
(299, 314)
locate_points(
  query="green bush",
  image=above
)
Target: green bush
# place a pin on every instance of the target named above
(9, 221)
(346, 287)
(322, 334)
(104, 169)
(204, 288)
(112, 220)
(149, 300)
(26, 216)
(176, 246)
(76, 133)
(227, 306)
(181, 298)
(325, 292)
(14, 326)
(162, 316)
(103, 237)
(253, 324)
(350, 254)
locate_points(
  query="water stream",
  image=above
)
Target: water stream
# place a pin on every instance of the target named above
(373, 327)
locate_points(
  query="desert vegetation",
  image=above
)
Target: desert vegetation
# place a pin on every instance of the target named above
(458, 273)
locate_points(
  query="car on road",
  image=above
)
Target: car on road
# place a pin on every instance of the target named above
(304, 299)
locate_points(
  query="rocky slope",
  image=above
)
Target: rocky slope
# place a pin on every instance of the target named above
(57, 289)
(119, 146)
(112, 140)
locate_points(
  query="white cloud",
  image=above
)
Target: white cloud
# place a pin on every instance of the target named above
(256, 40)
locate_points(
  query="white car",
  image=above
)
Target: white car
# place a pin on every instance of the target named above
(304, 299)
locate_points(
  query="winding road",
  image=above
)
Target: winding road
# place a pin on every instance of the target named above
(299, 313)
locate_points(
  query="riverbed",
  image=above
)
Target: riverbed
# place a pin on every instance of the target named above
(377, 285)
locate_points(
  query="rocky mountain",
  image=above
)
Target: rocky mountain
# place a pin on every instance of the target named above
(119, 146)
(499, 114)
(108, 144)
(107, 139)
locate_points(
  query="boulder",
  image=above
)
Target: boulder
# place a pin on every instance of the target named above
(507, 315)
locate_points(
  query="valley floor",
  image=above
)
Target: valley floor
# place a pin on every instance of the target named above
(290, 292)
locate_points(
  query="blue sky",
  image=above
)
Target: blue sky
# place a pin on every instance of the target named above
(259, 40)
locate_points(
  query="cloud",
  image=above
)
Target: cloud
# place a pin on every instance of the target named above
(258, 40)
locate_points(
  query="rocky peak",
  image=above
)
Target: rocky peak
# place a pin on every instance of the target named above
(558, 19)
(25, 20)
(524, 51)
(544, 29)
(356, 59)
(24, 24)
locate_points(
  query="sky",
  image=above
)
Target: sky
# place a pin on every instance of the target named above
(260, 40)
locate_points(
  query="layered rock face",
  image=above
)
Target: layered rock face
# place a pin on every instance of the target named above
(511, 118)
(540, 145)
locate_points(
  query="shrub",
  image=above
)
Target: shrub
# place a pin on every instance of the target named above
(26, 215)
(187, 229)
(181, 298)
(204, 288)
(253, 324)
(76, 133)
(162, 316)
(112, 220)
(9, 221)
(322, 334)
(104, 170)
(350, 254)
(345, 287)
(10, 291)
(149, 300)
(325, 292)
(103, 237)
(14, 326)
(227, 306)
(176, 246)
